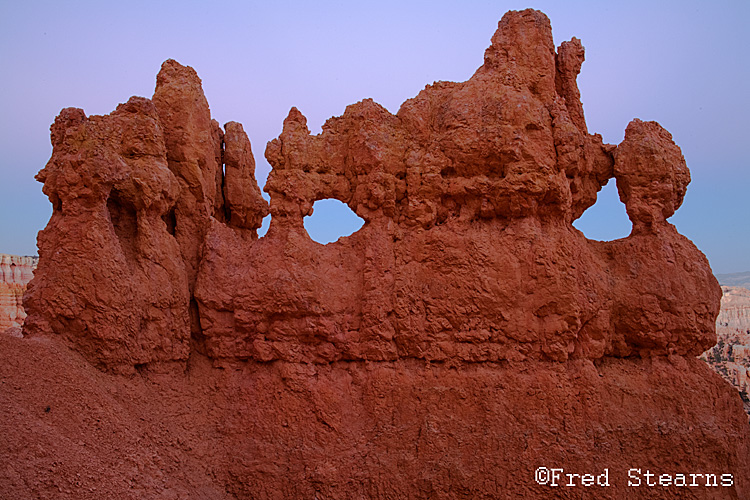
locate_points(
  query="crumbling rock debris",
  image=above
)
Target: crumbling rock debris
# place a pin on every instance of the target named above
(467, 260)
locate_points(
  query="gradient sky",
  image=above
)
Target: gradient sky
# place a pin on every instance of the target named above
(683, 63)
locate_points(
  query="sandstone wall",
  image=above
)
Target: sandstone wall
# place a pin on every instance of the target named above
(735, 308)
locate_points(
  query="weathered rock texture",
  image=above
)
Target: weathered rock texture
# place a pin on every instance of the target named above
(15, 274)
(730, 357)
(464, 336)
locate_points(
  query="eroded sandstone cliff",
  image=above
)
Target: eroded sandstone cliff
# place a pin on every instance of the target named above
(730, 357)
(466, 335)
(15, 274)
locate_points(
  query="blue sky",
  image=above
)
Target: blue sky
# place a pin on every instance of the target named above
(682, 63)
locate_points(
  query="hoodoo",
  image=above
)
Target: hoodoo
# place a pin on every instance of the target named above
(466, 338)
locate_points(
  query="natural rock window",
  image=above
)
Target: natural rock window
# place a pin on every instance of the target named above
(263, 229)
(597, 222)
(331, 220)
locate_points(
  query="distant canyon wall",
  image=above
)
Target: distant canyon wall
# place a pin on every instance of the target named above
(15, 274)
(730, 357)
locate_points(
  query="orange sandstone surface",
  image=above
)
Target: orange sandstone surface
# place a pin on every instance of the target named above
(465, 336)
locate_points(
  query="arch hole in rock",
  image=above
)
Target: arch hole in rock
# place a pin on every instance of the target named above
(607, 219)
(265, 224)
(124, 218)
(331, 220)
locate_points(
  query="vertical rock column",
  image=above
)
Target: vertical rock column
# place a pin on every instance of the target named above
(194, 155)
(110, 277)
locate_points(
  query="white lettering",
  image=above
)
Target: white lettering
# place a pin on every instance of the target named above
(636, 478)
(634, 475)
(541, 475)
(603, 479)
(649, 475)
(555, 476)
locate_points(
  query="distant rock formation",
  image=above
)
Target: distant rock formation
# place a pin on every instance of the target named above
(15, 273)
(730, 357)
(466, 335)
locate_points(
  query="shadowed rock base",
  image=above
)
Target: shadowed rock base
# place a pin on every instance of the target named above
(404, 429)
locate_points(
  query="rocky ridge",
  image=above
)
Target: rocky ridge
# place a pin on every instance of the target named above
(464, 336)
(735, 279)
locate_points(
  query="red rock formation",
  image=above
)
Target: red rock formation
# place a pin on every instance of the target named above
(117, 287)
(136, 191)
(468, 251)
(464, 336)
(15, 273)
